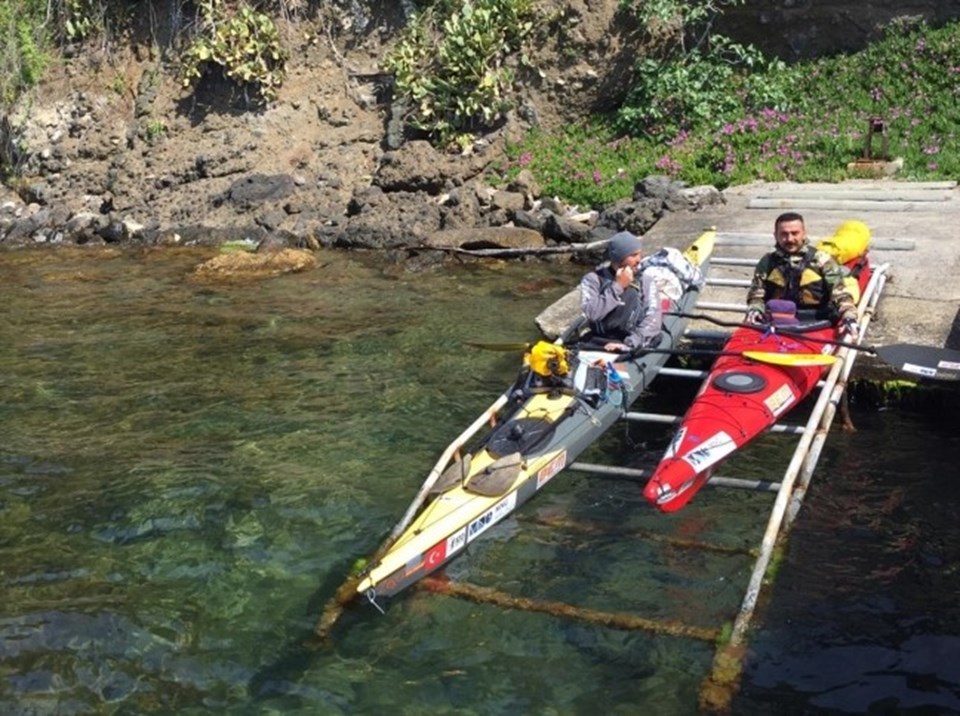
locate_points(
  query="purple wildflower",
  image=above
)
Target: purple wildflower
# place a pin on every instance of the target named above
(668, 164)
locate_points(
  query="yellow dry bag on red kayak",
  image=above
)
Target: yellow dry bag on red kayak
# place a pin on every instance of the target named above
(849, 242)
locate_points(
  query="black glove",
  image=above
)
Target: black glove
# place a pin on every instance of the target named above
(851, 329)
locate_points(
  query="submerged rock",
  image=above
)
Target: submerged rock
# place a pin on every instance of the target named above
(241, 264)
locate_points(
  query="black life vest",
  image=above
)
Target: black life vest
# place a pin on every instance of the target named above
(797, 280)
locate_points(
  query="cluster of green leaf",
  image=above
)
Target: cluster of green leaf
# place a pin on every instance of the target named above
(29, 29)
(688, 74)
(694, 89)
(242, 42)
(815, 126)
(153, 131)
(450, 65)
(80, 19)
(23, 46)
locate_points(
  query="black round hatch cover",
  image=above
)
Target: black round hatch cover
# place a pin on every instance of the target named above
(739, 381)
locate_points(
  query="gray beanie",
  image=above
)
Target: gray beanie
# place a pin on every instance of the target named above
(621, 245)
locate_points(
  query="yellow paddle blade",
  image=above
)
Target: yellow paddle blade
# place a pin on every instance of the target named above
(799, 360)
(507, 347)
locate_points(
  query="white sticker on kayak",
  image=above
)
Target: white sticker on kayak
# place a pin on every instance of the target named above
(489, 518)
(923, 370)
(457, 541)
(710, 452)
(948, 365)
(781, 399)
(675, 443)
(551, 469)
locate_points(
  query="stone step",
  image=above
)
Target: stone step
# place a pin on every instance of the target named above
(850, 196)
(850, 185)
(931, 195)
(730, 238)
(799, 203)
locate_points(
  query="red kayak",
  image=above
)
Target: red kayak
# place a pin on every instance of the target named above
(741, 398)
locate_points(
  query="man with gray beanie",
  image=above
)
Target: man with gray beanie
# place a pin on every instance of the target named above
(622, 304)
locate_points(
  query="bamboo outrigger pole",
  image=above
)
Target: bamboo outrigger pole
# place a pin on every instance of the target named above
(615, 620)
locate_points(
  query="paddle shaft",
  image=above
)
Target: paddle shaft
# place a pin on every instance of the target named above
(924, 361)
(788, 359)
(785, 330)
(795, 359)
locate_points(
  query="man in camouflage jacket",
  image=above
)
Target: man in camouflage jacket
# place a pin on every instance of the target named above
(796, 271)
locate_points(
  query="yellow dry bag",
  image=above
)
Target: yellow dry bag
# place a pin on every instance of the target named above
(850, 241)
(548, 359)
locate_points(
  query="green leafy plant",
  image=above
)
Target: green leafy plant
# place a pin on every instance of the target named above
(585, 164)
(451, 64)
(79, 19)
(673, 19)
(118, 84)
(690, 75)
(703, 87)
(154, 130)
(244, 44)
(23, 47)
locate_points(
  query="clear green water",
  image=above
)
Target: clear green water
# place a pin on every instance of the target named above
(189, 469)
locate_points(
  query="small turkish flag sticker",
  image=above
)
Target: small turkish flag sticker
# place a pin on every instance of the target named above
(434, 558)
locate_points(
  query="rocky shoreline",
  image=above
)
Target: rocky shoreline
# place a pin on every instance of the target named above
(418, 199)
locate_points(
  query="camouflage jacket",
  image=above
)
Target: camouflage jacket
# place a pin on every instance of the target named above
(810, 278)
